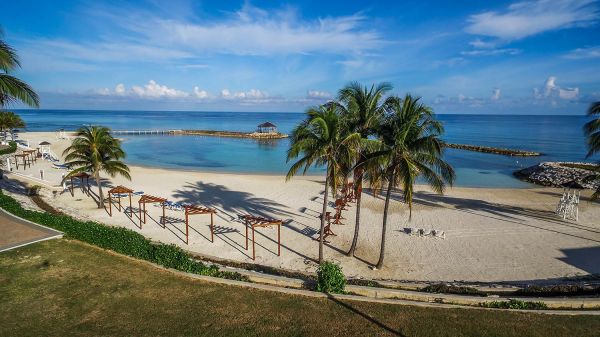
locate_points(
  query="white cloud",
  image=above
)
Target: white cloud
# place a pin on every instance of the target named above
(584, 53)
(318, 94)
(479, 44)
(526, 18)
(552, 90)
(252, 94)
(202, 94)
(120, 89)
(155, 90)
(496, 94)
(491, 52)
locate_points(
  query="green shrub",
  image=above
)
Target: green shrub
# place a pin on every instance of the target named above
(450, 289)
(118, 239)
(330, 278)
(515, 304)
(12, 147)
(559, 290)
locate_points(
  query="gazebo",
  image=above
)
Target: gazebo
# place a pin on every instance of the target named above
(192, 210)
(81, 176)
(44, 148)
(267, 127)
(150, 199)
(118, 192)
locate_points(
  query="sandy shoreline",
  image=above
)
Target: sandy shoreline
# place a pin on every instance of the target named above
(492, 235)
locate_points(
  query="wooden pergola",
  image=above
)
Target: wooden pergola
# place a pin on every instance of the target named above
(81, 176)
(118, 191)
(193, 210)
(25, 158)
(257, 222)
(31, 154)
(150, 199)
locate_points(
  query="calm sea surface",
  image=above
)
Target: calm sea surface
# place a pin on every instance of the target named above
(557, 137)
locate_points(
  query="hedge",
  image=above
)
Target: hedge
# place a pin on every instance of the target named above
(118, 239)
(12, 147)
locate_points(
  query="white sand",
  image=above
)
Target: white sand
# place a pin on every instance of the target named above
(491, 234)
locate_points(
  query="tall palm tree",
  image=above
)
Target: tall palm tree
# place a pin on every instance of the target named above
(94, 150)
(11, 88)
(592, 133)
(412, 149)
(318, 140)
(362, 109)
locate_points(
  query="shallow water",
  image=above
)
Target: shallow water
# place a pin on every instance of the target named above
(557, 137)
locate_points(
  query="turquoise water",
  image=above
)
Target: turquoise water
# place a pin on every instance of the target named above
(557, 137)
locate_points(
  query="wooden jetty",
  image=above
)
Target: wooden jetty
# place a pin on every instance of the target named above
(213, 133)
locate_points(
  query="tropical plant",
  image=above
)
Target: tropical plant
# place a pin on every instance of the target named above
(330, 278)
(362, 109)
(320, 142)
(412, 149)
(9, 121)
(592, 133)
(94, 150)
(11, 88)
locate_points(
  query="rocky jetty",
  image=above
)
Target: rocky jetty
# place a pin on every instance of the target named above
(494, 150)
(558, 173)
(232, 134)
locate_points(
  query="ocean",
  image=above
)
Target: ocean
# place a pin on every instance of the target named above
(559, 138)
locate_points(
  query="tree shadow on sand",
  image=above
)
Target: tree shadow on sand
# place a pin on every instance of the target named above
(232, 203)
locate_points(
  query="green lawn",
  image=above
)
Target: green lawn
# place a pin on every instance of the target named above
(60, 287)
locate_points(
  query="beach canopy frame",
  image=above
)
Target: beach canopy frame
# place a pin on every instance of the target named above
(257, 222)
(24, 158)
(150, 199)
(32, 154)
(81, 176)
(193, 210)
(118, 191)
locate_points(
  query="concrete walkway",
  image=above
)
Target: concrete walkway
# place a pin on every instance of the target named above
(16, 232)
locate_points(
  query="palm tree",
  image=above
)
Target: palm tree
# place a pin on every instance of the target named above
(592, 132)
(9, 121)
(362, 109)
(11, 88)
(320, 142)
(95, 150)
(412, 149)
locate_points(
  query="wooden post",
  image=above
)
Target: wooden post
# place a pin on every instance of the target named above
(186, 227)
(246, 223)
(120, 202)
(212, 229)
(253, 247)
(140, 211)
(279, 240)
(164, 222)
(109, 204)
(144, 212)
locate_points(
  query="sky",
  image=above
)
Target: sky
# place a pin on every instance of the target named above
(486, 57)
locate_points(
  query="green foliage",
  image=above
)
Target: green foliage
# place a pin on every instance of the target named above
(515, 304)
(450, 289)
(117, 239)
(559, 290)
(13, 89)
(12, 147)
(330, 278)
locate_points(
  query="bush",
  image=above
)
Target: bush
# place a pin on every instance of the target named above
(450, 289)
(118, 239)
(12, 147)
(515, 304)
(330, 278)
(559, 290)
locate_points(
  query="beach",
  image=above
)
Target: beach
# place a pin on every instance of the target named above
(491, 234)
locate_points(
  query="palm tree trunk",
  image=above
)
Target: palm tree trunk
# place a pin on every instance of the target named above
(100, 196)
(323, 215)
(358, 181)
(383, 230)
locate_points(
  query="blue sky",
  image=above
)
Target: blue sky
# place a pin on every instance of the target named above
(526, 57)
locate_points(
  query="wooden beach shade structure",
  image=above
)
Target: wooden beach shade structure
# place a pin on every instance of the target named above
(150, 199)
(81, 176)
(24, 158)
(118, 192)
(267, 127)
(31, 154)
(257, 222)
(193, 210)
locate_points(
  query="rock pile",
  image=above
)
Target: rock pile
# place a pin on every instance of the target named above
(555, 174)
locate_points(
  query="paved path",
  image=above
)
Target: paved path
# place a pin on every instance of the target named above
(16, 232)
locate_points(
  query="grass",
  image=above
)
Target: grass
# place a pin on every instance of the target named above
(63, 287)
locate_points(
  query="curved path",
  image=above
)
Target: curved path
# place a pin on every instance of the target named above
(16, 232)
